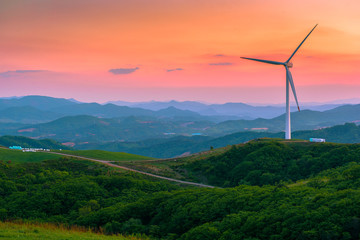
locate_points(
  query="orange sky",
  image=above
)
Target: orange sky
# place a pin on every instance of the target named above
(178, 49)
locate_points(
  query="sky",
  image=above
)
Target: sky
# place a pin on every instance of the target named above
(142, 50)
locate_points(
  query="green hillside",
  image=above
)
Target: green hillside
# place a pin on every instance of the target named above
(269, 162)
(17, 156)
(323, 206)
(259, 162)
(28, 231)
(25, 142)
(105, 155)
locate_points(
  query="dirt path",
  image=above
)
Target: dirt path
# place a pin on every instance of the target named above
(109, 163)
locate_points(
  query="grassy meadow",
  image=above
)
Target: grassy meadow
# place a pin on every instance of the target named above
(105, 155)
(17, 156)
(28, 231)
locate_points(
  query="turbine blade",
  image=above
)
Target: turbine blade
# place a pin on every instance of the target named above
(264, 61)
(290, 79)
(300, 44)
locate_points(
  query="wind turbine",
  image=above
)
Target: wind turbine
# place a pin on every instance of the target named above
(289, 80)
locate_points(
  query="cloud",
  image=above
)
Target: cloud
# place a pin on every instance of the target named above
(219, 55)
(117, 71)
(174, 69)
(221, 64)
(20, 72)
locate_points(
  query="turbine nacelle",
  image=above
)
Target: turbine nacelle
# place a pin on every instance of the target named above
(289, 64)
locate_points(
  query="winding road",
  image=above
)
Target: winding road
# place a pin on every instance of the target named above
(109, 163)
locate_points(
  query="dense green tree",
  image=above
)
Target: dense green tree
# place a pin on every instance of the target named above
(323, 204)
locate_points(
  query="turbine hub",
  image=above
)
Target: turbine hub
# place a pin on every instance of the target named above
(289, 64)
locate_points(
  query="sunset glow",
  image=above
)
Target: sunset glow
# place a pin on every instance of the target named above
(142, 50)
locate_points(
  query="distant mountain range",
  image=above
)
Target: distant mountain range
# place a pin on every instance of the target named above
(70, 121)
(93, 129)
(39, 102)
(175, 146)
(120, 128)
(304, 120)
(87, 128)
(164, 148)
(27, 115)
(241, 110)
(41, 109)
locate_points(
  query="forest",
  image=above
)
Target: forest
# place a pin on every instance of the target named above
(265, 161)
(298, 191)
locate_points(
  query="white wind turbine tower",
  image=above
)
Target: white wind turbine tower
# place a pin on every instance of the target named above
(289, 80)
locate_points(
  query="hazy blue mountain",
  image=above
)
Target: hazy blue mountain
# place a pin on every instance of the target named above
(12, 97)
(60, 107)
(114, 111)
(69, 128)
(321, 108)
(10, 128)
(346, 101)
(89, 128)
(95, 109)
(268, 111)
(74, 100)
(172, 111)
(303, 120)
(92, 129)
(39, 102)
(156, 105)
(27, 114)
(240, 110)
(164, 148)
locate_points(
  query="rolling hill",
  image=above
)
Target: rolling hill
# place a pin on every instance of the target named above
(171, 121)
(25, 142)
(164, 148)
(283, 190)
(304, 120)
(264, 161)
(27, 115)
(107, 126)
(40, 109)
(104, 111)
(39, 102)
(86, 128)
(105, 155)
(16, 156)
